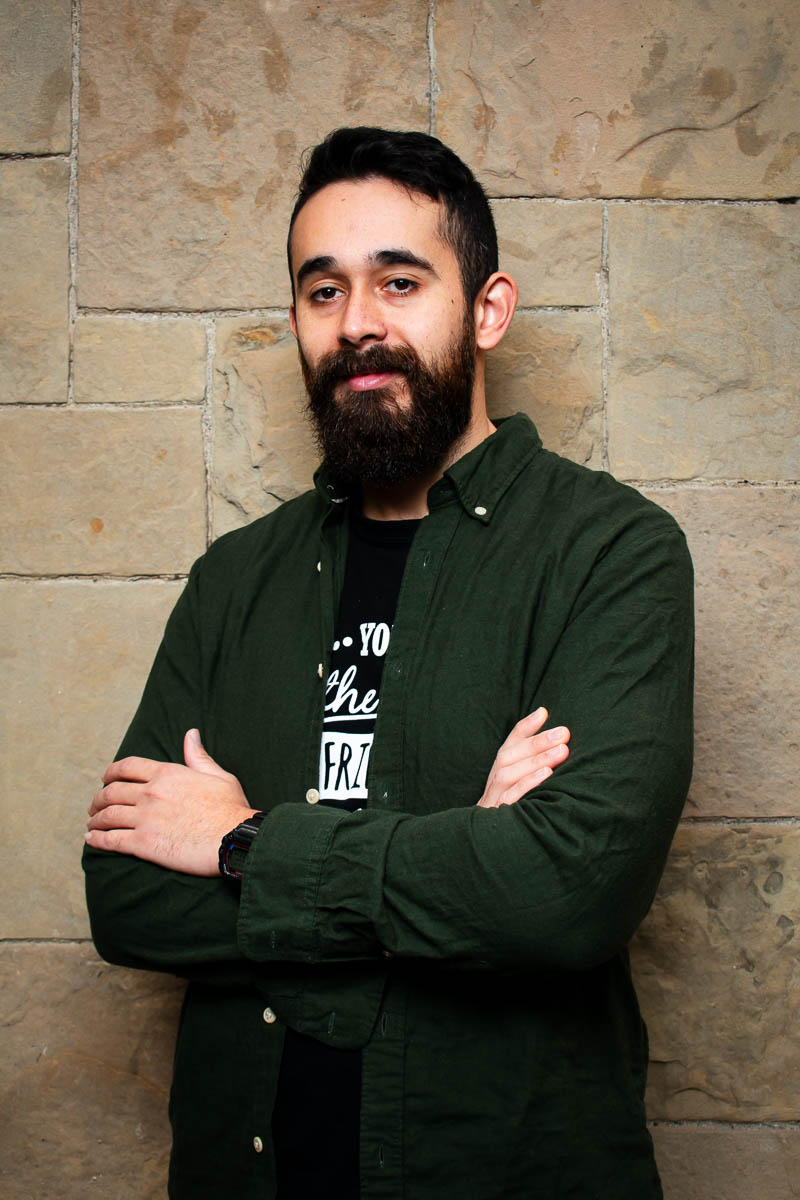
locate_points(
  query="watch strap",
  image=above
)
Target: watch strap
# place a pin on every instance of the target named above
(235, 846)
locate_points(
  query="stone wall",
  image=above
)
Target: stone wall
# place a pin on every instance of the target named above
(644, 160)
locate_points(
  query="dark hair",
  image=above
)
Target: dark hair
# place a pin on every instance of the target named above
(419, 163)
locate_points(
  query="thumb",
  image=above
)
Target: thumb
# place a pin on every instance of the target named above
(197, 757)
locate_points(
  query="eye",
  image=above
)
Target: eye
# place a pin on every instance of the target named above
(325, 294)
(401, 286)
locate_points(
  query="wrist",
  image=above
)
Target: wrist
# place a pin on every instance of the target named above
(235, 846)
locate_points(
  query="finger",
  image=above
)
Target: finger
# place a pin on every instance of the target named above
(512, 776)
(527, 784)
(512, 760)
(197, 757)
(137, 770)
(115, 816)
(115, 793)
(530, 724)
(122, 841)
(510, 795)
(524, 738)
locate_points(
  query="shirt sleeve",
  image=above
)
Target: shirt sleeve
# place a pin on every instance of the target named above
(143, 915)
(559, 880)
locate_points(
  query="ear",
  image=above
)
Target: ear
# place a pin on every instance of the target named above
(494, 308)
(292, 319)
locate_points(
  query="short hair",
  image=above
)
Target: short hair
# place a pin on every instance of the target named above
(419, 163)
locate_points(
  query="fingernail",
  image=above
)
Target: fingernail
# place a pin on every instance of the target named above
(194, 736)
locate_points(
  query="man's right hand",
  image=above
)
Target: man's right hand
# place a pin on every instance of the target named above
(525, 759)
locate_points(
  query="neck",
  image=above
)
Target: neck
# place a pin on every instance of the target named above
(409, 500)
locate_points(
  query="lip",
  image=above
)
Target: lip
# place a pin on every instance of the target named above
(375, 379)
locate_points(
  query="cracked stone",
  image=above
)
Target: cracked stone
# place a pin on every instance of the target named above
(76, 654)
(552, 250)
(696, 1163)
(34, 282)
(263, 449)
(716, 975)
(88, 490)
(85, 1075)
(745, 543)
(549, 366)
(191, 135)
(124, 360)
(705, 323)
(622, 98)
(35, 76)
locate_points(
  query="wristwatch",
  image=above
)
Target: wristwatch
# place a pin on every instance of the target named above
(235, 846)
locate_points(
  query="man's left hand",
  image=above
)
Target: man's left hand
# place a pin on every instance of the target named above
(167, 813)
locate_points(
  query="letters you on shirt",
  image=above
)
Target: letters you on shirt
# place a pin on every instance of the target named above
(351, 706)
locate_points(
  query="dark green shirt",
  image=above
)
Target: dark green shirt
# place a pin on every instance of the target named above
(477, 956)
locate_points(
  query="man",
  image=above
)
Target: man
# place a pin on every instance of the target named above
(406, 955)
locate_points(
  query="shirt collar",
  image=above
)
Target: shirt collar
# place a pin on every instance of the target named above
(478, 480)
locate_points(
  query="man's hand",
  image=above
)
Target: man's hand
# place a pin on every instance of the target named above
(166, 813)
(525, 759)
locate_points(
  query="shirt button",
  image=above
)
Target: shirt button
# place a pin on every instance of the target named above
(312, 796)
(319, 566)
(258, 1145)
(480, 511)
(320, 670)
(269, 1016)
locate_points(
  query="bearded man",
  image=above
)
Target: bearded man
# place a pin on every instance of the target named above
(400, 892)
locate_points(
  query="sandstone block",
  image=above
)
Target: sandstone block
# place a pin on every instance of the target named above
(622, 98)
(699, 1163)
(552, 250)
(745, 543)
(34, 282)
(129, 361)
(75, 658)
(98, 491)
(704, 316)
(716, 965)
(549, 366)
(263, 450)
(85, 1075)
(35, 76)
(193, 119)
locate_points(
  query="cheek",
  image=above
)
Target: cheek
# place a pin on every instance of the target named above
(311, 347)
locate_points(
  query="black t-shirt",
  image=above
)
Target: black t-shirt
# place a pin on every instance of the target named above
(315, 1123)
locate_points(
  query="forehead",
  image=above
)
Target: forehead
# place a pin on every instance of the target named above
(351, 220)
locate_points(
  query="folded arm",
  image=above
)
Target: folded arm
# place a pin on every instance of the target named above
(558, 880)
(175, 815)
(557, 877)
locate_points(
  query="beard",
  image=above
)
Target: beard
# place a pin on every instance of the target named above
(367, 437)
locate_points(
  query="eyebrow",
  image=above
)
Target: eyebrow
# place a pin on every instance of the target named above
(394, 256)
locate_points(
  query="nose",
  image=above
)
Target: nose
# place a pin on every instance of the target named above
(361, 319)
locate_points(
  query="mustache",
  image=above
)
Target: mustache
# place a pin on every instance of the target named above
(346, 362)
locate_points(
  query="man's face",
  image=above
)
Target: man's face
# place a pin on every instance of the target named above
(386, 340)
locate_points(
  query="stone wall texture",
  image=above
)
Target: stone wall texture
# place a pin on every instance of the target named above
(643, 161)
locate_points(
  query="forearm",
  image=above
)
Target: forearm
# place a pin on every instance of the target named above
(143, 915)
(553, 882)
